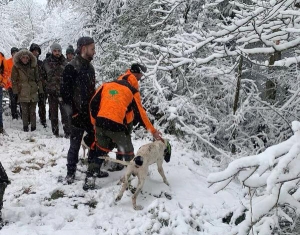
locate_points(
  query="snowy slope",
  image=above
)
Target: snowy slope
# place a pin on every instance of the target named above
(34, 161)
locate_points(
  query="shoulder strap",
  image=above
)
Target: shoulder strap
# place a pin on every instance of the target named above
(127, 84)
(2, 67)
(124, 82)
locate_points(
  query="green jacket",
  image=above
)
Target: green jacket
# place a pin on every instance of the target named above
(26, 82)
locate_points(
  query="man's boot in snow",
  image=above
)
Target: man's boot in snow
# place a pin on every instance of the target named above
(90, 178)
(117, 166)
(70, 178)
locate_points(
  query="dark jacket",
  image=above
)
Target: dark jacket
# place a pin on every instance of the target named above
(25, 79)
(52, 70)
(41, 72)
(78, 87)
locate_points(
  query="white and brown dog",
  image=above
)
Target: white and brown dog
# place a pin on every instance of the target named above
(148, 154)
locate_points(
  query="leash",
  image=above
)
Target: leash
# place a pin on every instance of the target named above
(114, 160)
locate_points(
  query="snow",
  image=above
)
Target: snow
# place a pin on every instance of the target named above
(34, 161)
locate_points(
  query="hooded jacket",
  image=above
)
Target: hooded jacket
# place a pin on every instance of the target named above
(25, 79)
(3, 71)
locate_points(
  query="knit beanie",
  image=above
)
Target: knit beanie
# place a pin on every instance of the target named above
(55, 46)
(70, 50)
(138, 68)
(34, 47)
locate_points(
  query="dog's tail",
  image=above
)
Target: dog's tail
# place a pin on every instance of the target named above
(114, 160)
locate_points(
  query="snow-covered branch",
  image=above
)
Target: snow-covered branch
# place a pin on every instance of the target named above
(276, 168)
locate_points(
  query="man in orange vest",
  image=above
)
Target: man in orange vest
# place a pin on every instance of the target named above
(3, 83)
(112, 109)
(13, 98)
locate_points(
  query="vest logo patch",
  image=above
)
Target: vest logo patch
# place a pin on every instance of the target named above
(113, 93)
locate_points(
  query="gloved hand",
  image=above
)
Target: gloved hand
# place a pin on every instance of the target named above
(60, 100)
(41, 97)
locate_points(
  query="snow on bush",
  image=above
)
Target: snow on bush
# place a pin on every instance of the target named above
(272, 178)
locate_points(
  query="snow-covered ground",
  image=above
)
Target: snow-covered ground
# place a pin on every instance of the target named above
(35, 203)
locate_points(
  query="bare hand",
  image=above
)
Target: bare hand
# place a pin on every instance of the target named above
(157, 135)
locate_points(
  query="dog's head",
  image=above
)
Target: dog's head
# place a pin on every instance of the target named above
(138, 160)
(168, 150)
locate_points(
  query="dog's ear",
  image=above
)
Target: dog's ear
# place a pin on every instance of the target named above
(168, 151)
(138, 160)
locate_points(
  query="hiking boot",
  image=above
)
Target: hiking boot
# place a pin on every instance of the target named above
(1, 130)
(44, 124)
(116, 167)
(102, 174)
(70, 178)
(25, 128)
(33, 128)
(89, 183)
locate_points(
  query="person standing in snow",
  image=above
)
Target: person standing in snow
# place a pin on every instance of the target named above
(52, 70)
(70, 53)
(77, 89)
(8, 87)
(113, 108)
(36, 51)
(3, 81)
(26, 84)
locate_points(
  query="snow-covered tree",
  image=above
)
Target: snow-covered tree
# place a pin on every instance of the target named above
(272, 181)
(211, 51)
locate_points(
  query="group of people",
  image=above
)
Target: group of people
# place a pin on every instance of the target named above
(105, 114)
(30, 81)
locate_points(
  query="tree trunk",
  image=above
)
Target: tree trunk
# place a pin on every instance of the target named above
(271, 83)
(236, 97)
(238, 85)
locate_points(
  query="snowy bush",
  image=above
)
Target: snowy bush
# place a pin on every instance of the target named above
(272, 182)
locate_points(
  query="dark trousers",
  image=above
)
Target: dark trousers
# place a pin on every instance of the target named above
(3, 183)
(54, 104)
(29, 114)
(42, 110)
(13, 104)
(75, 143)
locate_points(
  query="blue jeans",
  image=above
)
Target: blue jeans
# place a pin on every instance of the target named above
(1, 108)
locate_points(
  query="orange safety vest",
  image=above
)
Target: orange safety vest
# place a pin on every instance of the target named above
(114, 101)
(128, 76)
(3, 71)
(10, 64)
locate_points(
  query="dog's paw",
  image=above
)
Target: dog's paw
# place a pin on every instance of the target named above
(118, 198)
(166, 182)
(138, 208)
